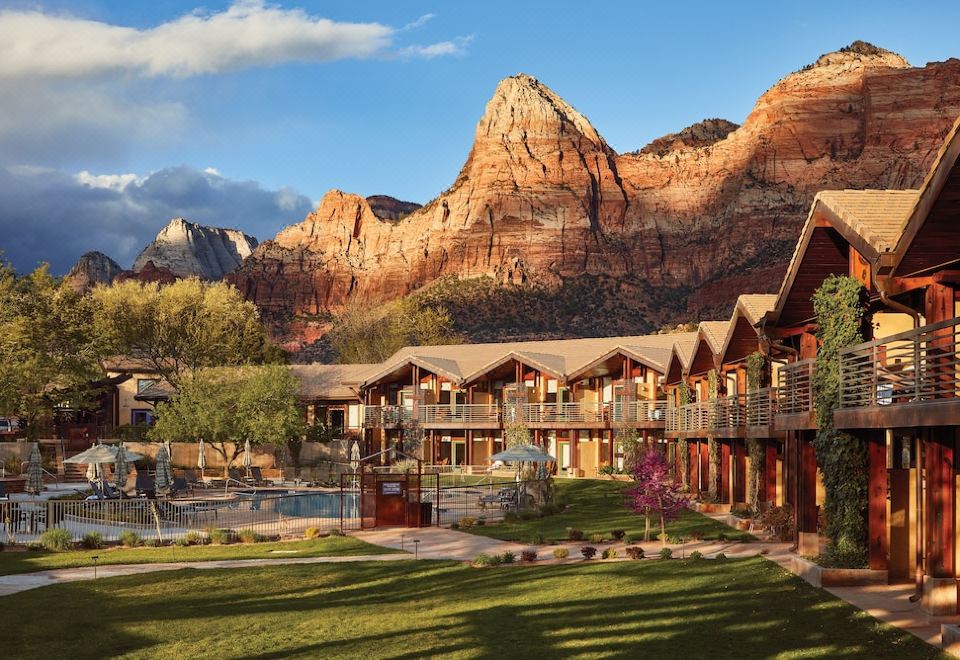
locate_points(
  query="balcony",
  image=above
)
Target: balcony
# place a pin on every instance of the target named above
(558, 414)
(386, 417)
(724, 417)
(761, 409)
(908, 379)
(483, 415)
(795, 383)
(641, 413)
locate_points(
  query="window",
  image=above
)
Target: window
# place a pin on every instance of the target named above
(144, 383)
(141, 417)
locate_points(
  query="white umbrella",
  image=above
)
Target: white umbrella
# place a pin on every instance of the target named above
(355, 456)
(102, 454)
(34, 471)
(247, 456)
(164, 475)
(202, 457)
(92, 471)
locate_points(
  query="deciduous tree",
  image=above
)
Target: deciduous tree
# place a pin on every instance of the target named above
(655, 493)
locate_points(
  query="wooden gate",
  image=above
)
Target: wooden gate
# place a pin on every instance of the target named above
(391, 499)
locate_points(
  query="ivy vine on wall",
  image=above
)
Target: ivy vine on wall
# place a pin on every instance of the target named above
(756, 363)
(840, 306)
(684, 455)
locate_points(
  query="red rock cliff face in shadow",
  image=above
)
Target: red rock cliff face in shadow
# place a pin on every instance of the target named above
(542, 198)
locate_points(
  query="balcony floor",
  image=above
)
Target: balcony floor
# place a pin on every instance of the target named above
(940, 412)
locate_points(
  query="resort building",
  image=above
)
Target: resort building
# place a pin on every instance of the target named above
(454, 403)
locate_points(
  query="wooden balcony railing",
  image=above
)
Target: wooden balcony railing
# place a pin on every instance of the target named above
(761, 406)
(728, 412)
(465, 413)
(637, 411)
(540, 413)
(386, 416)
(919, 365)
(795, 387)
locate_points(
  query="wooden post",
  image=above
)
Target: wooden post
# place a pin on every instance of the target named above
(877, 499)
(574, 452)
(940, 502)
(694, 466)
(807, 478)
(739, 471)
(704, 467)
(724, 490)
(770, 470)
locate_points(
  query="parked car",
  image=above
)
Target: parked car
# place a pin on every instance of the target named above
(8, 426)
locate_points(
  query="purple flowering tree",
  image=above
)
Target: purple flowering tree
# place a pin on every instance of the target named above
(655, 493)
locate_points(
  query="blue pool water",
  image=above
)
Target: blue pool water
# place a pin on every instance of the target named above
(301, 504)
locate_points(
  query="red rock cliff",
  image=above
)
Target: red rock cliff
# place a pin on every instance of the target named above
(542, 198)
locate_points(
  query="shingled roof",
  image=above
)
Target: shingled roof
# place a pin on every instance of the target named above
(329, 381)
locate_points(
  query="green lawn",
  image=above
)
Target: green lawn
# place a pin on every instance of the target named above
(333, 546)
(651, 609)
(596, 506)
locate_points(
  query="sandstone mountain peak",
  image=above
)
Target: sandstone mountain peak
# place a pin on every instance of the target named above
(91, 269)
(391, 208)
(521, 104)
(189, 249)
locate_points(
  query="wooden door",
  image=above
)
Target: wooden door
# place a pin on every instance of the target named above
(391, 502)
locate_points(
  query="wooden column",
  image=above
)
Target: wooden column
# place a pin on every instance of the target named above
(574, 451)
(468, 437)
(940, 504)
(877, 499)
(724, 487)
(704, 467)
(693, 465)
(613, 451)
(807, 477)
(770, 470)
(739, 471)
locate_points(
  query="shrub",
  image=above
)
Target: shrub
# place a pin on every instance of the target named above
(467, 522)
(152, 543)
(481, 522)
(336, 531)
(220, 536)
(528, 555)
(195, 538)
(722, 536)
(130, 539)
(574, 534)
(56, 540)
(454, 526)
(483, 559)
(633, 539)
(696, 555)
(634, 552)
(618, 534)
(181, 541)
(609, 553)
(561, 553)
(666, 553)
(34, 546)
(588, 552)
(312, 533)
(720, 557)
(697, 535)
(538, 539)
(92, 541)
(778, 520)
(596, 538)
(508, 558)
(496, 560)
(249, 536)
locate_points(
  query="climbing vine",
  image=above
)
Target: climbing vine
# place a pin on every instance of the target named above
(713, 386)
(684, 391)
(840, 306)
(713, 449)
(684, 455)
(756, 362)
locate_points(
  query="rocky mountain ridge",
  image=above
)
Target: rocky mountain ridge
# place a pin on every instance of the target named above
(670, 232)
(188, 249)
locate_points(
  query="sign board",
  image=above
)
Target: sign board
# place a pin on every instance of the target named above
(390, 488)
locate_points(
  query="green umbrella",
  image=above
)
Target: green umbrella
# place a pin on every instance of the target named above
(34, 483)
(121, 470)
(164, 476)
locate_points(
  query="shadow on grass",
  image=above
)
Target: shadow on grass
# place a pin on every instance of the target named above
(684, 609)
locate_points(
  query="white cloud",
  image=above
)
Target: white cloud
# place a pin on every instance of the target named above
(457, 46)
(50, 215)
(249, 33)
(420, 22)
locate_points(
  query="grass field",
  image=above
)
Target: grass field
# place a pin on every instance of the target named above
(651, 609)
(333, 546)
(596, 506)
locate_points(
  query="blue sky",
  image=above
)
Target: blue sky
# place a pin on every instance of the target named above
(395, 115)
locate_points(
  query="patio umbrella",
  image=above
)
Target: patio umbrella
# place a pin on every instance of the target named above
(355, 456)
(34, 471)
(523, 454)
(247, 456)
(121, 470)
(202, 457)
(164, 475)
(102, 454)
(92, 471)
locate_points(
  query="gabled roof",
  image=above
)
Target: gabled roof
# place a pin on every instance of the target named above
(710, 337)
(930, 190)
(870, 220)
(750, 308)
(681, 354)
(654, 357)
(329, 381)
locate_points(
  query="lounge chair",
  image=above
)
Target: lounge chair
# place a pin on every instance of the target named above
(179, 486)
(234, 474)
(256, 475)
(190, 475)
(146, 487)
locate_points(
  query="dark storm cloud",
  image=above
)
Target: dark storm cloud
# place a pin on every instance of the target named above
(49, 215)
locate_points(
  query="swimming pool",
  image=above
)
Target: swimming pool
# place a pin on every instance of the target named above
(302, 504)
